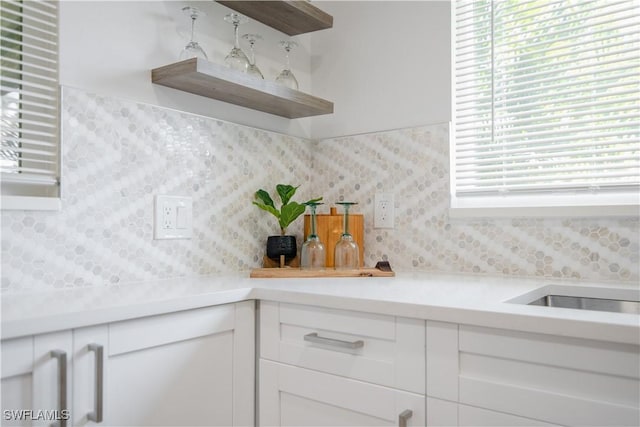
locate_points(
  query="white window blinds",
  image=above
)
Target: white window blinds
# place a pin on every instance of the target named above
(29, 156)
(547, 98)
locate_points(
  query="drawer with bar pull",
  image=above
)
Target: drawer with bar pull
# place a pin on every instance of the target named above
(375, 348)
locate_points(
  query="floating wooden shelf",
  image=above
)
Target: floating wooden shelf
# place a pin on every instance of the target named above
(215, 81)
(290, 17)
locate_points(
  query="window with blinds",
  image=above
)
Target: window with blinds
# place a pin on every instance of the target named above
(29, 156)
(547, 102)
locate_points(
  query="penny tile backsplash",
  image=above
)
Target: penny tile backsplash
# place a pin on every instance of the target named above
(118, 154)
(413, 164)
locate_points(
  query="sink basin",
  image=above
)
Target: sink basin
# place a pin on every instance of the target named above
(583, 303)
(614, 300)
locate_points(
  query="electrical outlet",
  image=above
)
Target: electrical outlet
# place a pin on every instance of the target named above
(384, 215)
(168, 216)
(173, 217)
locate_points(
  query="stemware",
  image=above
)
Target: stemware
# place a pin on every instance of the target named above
(347, 253)
(236, 58)
(312, 255)
(286, 77)
(193, 49)
(252, 68)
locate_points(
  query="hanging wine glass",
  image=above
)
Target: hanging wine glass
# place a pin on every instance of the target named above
(193, 49)
(236, 58)
(252, 68)
(312, 255)
(286, 77)
(347, 254)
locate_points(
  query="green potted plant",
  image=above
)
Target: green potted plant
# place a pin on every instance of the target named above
(289, 211)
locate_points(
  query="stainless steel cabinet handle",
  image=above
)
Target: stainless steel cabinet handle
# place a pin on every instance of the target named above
(313, 337)
(96, 414)
(62, 381)
(403, 417)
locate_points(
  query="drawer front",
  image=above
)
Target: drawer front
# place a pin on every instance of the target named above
(555, 379)
(375, 348)
(292, 396)
(444, 413)
(478, 417)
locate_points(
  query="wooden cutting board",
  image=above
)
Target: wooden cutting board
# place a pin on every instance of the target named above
(281, 273)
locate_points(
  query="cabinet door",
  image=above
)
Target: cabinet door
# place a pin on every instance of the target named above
(441, 413)
(17, 379)
(194, 367)
(36, 380)
(292, 396)
(174, 369)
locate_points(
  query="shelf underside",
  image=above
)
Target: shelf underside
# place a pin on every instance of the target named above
(211, 80)
(290, 17)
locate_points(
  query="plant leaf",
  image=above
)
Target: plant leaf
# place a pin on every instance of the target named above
(289, 213)
(265, 197)
(286, 192)
(269, 209)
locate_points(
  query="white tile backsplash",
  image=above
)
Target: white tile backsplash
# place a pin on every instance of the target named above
(413, 164)
(118, 154)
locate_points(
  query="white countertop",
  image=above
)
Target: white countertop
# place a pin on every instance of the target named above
(466, 299)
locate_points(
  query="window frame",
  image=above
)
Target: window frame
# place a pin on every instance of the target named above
(17, 194)
(552, 204)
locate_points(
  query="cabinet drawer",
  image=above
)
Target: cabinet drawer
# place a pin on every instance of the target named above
(556, 379)
(292, 396)
(478, 417)
(380, 349)
(444, 413)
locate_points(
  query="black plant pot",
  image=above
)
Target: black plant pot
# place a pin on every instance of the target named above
(281, 245)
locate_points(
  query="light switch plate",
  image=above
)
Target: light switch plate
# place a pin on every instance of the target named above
(173, 217)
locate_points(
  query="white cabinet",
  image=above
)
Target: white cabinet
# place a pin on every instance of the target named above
(179, 369)
(469, 416)
(292, 396)
(499, 377)
(323, 366)
(194, 367)
(36, 375)
(379, 349)
(444, 413)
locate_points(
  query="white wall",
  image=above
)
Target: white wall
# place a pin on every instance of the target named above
(385, 65)
(110, 47)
